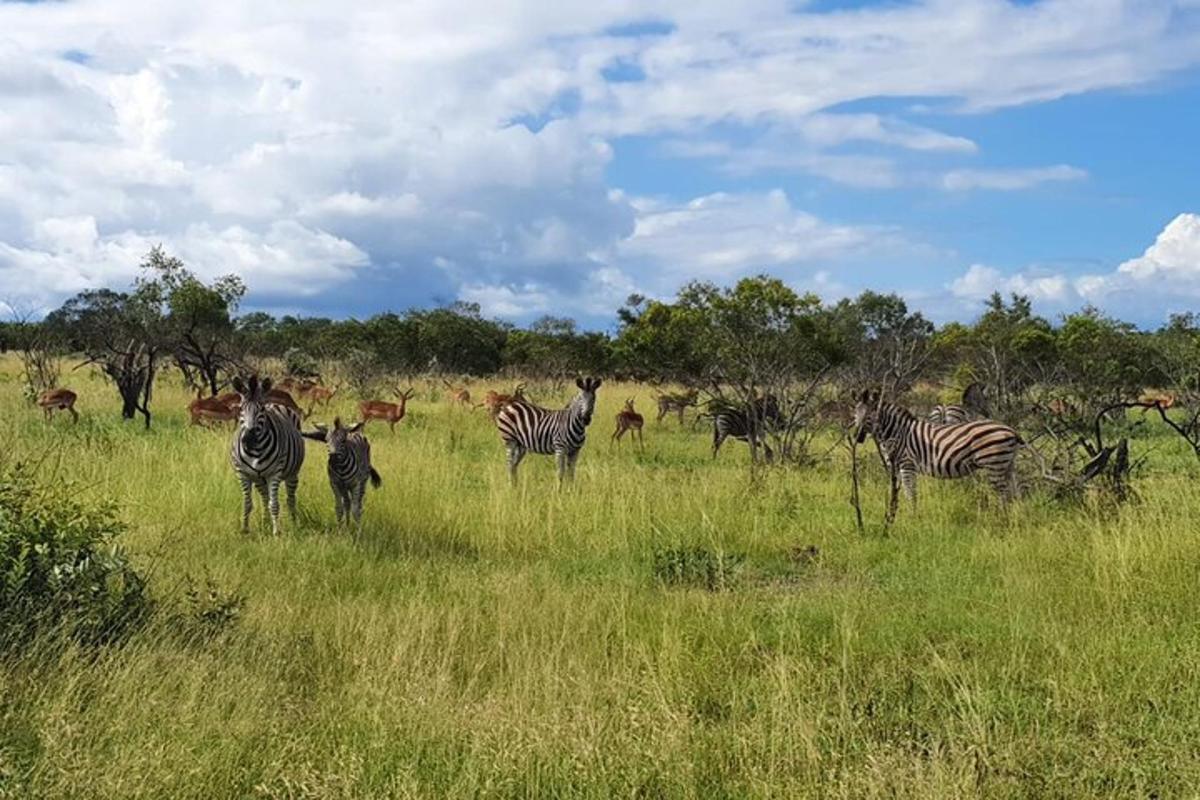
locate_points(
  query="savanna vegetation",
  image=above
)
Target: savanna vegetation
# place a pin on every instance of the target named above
(668, 626)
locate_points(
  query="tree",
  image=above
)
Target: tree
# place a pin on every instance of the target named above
(198, 326)
(884, 346)
(120, 333)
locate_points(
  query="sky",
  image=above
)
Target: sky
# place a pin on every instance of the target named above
(553, 158)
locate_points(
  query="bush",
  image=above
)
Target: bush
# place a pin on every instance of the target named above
(60, 567)
(299, 364)
(696, 566)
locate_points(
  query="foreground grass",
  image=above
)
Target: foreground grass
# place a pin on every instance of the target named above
(484, 641)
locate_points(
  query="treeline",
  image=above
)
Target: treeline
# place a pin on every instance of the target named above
(756, 334)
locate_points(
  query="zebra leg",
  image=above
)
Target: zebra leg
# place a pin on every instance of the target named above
(571, 459)
(265, 496)
(908, 481)
(718, 437)
(247, 501)
(291, 484)
(560, 463)
(515, 454)
(339, 505)
(359, 492)
(273, 504)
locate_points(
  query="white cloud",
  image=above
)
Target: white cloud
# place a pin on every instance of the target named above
(1165, 278)
(1008, 179)
(300, 142)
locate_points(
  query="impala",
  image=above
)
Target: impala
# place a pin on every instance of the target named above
(629, 420)
(53, 400)
(391, 413)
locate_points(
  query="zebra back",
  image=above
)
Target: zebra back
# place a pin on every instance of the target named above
(546, 431)
(946, 451)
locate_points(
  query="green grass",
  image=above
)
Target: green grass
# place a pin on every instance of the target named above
(484, 641)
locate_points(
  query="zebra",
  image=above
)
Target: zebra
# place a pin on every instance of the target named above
(526, 428)
(267, 450)
(736, 422)
(945, 451)
(349, 468)
(974, 406)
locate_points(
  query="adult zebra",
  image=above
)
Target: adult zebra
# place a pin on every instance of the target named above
(267, 450)
(974, 405)
(946, 451)
(738, 423)
(526, 428)
(349, 467)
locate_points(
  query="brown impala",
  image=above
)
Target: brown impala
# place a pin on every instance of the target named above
(391, 413)
(495, 402)
(629, 420)
(212, 409)
(460, 397)
(53, 400)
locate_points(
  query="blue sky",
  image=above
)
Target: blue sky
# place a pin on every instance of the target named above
(541, 158)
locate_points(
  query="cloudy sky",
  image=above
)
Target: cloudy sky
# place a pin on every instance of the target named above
(553, 157)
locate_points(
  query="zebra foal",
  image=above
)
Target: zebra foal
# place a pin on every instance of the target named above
(942, 451)
(526, 428)
(974, 405)
(759, 417)
(349, 468)
(267, 450)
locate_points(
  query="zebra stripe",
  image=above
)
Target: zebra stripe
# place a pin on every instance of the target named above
(949, 415)
(735, 422)
(526, 428)
(267, 450)
(349, 468)
(946, 451)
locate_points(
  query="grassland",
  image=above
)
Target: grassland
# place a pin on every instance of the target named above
(480, 641)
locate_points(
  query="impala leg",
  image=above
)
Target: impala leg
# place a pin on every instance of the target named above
(74, 414)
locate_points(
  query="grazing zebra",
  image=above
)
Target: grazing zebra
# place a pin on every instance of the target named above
(349, 468)
(946, 451)
(736, 422)
(267, 450)
(974, 406)
(526, 428)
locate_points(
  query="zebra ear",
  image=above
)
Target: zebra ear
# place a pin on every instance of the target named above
(356, 427)
(866, 396)
(317, 435)
(265, 385)
(579, 383)
(237, 384)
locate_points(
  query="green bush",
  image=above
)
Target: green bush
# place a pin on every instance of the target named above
(300, 364)
(60, 567)
(696, 566)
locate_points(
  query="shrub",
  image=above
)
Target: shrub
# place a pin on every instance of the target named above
(696, 566)
(208, 611)
(300, 364)
(60, 567)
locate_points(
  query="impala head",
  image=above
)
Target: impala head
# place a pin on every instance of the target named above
(334, 438)
(629, 404)
(585, 401)
(864, 414)
(253, 418)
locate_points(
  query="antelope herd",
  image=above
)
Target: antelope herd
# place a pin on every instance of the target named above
(951, 441)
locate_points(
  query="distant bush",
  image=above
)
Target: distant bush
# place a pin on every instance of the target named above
(298, 363)
(696, 566)
(60, 567)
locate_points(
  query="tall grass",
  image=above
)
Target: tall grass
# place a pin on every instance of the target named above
(479, 640)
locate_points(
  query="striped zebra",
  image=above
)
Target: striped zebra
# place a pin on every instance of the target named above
(267, 450)
(737, 422)
(349, 468)
(526, 428)
(947, 451)
(974, 406)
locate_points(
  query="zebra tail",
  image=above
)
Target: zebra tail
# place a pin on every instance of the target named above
(376, 481)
